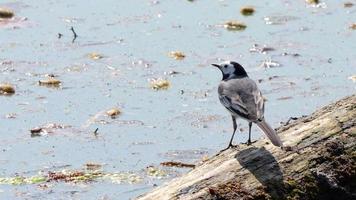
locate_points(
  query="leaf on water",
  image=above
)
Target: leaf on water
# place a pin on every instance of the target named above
(178, 55)
(95, 56)
(113, 112)
(235, 26)
(160, 84)
(312, 1)
(6, 89)
(6, 13)
(247, 11)
(50, 82)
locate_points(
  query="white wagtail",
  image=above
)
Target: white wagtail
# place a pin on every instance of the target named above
(242, 98)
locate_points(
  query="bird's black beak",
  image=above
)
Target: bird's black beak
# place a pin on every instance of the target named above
(216, 65)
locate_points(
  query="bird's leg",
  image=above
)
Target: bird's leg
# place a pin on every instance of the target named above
(233, 133)
(249, 133)
(232, 137)
(249, 142)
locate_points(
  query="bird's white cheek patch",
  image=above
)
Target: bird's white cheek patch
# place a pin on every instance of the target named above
(229, 69)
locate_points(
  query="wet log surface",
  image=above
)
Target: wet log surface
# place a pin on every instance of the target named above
(323, 167)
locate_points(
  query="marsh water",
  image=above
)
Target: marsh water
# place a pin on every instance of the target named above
(312, 44)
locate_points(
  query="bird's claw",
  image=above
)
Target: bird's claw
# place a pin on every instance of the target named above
(248, 143)
(228, 147)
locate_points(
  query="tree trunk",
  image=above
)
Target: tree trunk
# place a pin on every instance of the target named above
(321, 166)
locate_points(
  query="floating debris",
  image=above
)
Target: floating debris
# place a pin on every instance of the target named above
(177, 164)
(93, 166)
(156, 172)
(50, 81)
(247, 11)
(353, 78)
(73, 176)
(279, 19)
(123, 177)
(348, 4)
(6, 89)
(312, 1)
(264, 49)
(160, 84)
(19, 180)
(11, 116)
(45, 129)
(235, 26)
(178, 55)
(353, 26)
(269, 63)
(6, 13)
(113, 112)
(95, 56)
(284, 98)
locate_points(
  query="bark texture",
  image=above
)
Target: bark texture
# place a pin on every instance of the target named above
(324, 167)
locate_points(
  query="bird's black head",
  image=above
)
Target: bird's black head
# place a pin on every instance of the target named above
(231, 69)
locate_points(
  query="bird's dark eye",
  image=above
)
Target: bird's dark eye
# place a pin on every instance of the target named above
(225, 66)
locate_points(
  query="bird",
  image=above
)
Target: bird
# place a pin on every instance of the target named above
(241, 97)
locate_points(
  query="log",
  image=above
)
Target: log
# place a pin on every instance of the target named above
(321, 166)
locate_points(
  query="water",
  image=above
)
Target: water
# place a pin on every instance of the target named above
(185, 122)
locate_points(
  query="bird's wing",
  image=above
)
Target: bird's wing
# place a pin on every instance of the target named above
(260, 104)
(234, 104)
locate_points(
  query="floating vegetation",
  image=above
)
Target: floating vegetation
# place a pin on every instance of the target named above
(125, 177)
(19, 180)
(73, 176)
(156, 172)
(353, 26)
(114, 112)
(178, 55)
(160, 84)
(247, 11)
(235, 26)
(50, 81)
(95, 56)
(177, 164)
(6, 13)
(6, 89)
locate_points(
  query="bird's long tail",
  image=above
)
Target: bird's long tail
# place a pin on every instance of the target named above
(270, 132)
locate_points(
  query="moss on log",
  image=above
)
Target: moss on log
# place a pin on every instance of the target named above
(323, 167)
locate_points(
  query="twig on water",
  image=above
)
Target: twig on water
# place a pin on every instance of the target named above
(74, 34)
(96, 131)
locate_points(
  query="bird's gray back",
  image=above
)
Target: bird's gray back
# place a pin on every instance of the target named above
(244, 91)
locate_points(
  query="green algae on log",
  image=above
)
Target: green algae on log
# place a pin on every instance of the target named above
(322, 164)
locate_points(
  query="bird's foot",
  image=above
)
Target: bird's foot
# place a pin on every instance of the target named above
(248, 143)
(228, 147)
